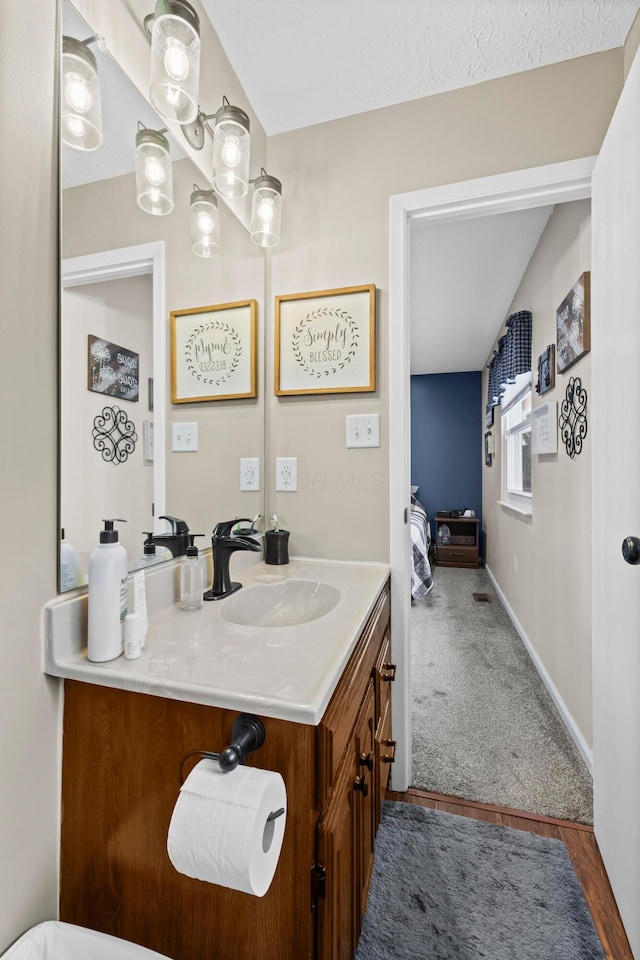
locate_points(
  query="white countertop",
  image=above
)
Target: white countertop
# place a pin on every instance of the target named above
(288, 673)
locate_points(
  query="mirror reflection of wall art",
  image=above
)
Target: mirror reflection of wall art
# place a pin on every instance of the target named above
(573, 324)
(213, 352)
(325, 341)
(112, 370)
(114, 435)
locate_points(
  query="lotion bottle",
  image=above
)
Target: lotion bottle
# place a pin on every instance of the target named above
(191, 577)
(107, 596)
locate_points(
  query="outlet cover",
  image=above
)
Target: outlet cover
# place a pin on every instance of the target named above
(249, 473)
(184, 437)
(363, 430)
(287, 474)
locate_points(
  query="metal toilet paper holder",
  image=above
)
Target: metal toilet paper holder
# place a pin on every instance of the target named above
(247, 734)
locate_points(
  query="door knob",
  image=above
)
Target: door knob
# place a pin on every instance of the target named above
(631, 550)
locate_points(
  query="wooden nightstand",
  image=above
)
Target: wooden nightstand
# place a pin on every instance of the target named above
(463, 549)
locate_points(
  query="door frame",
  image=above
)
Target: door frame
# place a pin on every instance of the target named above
(502, 193)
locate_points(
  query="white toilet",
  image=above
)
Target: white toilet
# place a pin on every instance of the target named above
(54, 940)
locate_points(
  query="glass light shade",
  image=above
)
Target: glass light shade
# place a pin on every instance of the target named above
(81, 119)
(175, 60)
(266, 211)
(231, 143)
(205, 223)
(154, 175)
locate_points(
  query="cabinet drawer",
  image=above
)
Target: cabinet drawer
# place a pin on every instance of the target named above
(334, 731)
(457, 556)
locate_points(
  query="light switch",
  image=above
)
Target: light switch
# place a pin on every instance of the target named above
(363, 431)
(184, 437)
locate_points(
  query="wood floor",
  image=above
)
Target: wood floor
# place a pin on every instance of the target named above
(580, 842)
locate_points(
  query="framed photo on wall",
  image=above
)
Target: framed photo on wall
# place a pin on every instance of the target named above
(213, 352)
(325, 341)
(573, 324)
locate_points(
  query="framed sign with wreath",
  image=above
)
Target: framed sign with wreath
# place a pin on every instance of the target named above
(213, 352)
(325, 341)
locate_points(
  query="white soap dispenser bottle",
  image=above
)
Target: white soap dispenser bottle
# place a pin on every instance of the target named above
(191, 577)
(107, 596)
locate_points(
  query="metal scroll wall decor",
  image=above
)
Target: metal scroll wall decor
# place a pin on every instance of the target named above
(113, 435)
(573, 417)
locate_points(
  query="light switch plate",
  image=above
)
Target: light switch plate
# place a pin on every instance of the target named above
(287, 474)
(184, 437)
(147, 435)
(250, 473)
(363, 430)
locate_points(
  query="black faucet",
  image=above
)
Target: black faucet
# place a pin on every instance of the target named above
(177, 541)
(223, 544)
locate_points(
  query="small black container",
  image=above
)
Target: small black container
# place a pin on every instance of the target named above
(276, 546)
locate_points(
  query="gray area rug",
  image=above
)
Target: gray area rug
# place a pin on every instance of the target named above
(484, 725)
(451, 888)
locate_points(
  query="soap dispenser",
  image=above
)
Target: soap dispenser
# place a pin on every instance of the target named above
(191, 577)
(107, 596)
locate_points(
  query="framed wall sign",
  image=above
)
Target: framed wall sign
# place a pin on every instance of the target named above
(112, 370)
(573, 324)
(325, 341)
(213, 352)
(546, 370)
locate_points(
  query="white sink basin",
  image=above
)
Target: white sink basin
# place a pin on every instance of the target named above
(283, 604)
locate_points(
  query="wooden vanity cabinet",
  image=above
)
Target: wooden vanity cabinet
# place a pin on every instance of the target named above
(122, 753)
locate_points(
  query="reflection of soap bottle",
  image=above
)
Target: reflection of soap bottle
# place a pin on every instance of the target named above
(71, 575)
(107, 596)
(152, 553)
(191, 577)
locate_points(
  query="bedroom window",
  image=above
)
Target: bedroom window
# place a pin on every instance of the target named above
(516, 439)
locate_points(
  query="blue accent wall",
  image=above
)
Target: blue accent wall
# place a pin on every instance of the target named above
(446, 441)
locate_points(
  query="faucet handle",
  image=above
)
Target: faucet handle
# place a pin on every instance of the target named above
(177, 525)
(224, 529)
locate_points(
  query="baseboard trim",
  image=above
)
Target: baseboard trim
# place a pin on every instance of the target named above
(567, 719)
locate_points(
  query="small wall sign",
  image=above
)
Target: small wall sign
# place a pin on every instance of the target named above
(573, 324)
(112, 370)
(325, 341)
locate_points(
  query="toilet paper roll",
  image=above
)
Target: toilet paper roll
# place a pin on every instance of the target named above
(219, 831)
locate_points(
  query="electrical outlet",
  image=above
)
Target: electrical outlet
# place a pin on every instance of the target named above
(363, 431)
(184, 437)
(250, 473)
(287, 474)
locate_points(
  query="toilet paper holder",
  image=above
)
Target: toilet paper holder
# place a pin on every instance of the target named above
(247, 734)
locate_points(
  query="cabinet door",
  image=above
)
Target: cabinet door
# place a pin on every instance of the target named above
(384, 745)
(366, 787)
(337, 923)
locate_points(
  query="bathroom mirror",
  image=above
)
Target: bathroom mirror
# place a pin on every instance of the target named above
(122, 272)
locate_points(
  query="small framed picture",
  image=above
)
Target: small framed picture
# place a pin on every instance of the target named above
(488, 419)
(213, 352)
(488, 449)
(325, 341)
(546, 370)
(573, 324)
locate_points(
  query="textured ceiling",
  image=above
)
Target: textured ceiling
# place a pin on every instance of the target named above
(303, 62)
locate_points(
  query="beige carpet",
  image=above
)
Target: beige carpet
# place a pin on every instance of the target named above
(484, 725)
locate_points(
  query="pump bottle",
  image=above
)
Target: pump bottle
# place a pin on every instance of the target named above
(191, 577)
(107, 596)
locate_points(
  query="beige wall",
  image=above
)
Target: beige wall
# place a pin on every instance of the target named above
(121, 312)
(632, 44)
(202, 487)
(337, 181)
(549, 593)
(29, 755)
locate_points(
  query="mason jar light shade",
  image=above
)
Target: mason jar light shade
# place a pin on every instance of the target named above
(81, 114)
(154, 177)
(266, 211)
(205, 223)
(175, 60)
(231, 142)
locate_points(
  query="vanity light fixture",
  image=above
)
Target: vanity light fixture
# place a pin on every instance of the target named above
(205, 223)
(154, 175)
(81, 119)
(174, 28)
(231, 143)
(266, 210)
